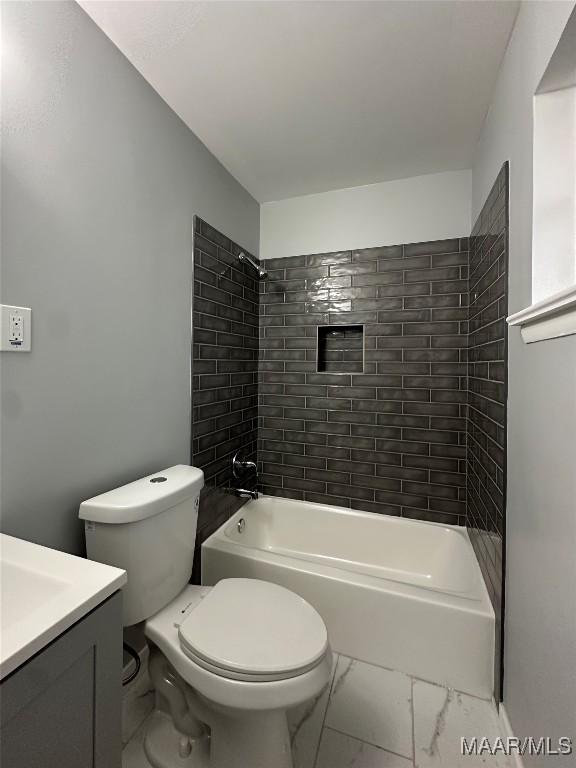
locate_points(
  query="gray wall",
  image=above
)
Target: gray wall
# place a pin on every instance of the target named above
(100, 184)
(540, 630)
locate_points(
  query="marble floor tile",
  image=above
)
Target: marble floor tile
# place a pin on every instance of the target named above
(137, 704)
(340, 751)
(133, 753)
(305, 724)
(441, 718)
(372, 704)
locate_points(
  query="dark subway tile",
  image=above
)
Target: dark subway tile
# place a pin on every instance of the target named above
(286, 309)
(364, 292)
(431, 463)
(430, 329)
(380, 406)
(436, 275)
(403, 447)
(401, 473)
(404, 394)
(305, 461)
(339, 379)
(449, 286)
(307, 438)
(326, 427)
(400, 499)
(380, 483)
(352, 318)
(349, 417)
(450, 259)
(328, 452)
(376, 508)
(434, 301)
(329, 283)
(430, 489)
(447, 506)
(327, 476)
(429, 516)
(352, 440)
(203, 366)
(306, 319)
(323, 259)
(295, 483)
(383, 252)
(322, 498)
(308, 390)
(405, 263)
(355, 391)
(284, 263)
(432, 247)
(310, 414)
(380, 279)
(405, 316)
(306, 273)
(281, 446)
(403, 342)
(412, 289)
(330, 404)
(358, 268)
(432, 355)
(432, 382)
(350, 491)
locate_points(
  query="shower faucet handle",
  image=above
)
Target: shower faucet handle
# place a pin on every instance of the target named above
(241, 465)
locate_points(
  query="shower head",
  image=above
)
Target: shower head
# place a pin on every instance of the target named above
(244, 257)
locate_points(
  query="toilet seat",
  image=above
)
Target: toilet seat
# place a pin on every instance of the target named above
(224, 689)
(252, 630)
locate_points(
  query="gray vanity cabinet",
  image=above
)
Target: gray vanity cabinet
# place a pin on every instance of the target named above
(61, 709)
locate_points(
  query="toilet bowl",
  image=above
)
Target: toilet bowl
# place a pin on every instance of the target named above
(243, 653)
(228, 661)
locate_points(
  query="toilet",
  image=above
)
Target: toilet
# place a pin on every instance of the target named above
(228, 661)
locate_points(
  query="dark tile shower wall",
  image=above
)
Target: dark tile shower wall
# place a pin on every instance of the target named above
(224, 370)
(486, 428)
(392, 438)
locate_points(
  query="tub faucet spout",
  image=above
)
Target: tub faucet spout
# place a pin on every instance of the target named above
(244, 494)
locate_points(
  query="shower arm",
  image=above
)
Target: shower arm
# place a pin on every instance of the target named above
(249, 260)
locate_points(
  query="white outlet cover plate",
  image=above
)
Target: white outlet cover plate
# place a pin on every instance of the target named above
(11, 346)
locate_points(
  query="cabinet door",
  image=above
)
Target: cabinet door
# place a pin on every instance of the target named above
(62, 708)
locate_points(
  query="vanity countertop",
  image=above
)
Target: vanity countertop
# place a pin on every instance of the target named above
(42, 593)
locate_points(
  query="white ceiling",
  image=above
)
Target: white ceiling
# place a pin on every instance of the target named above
(302, 97)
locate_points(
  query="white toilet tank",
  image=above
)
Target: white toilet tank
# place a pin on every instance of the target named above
(148, 528)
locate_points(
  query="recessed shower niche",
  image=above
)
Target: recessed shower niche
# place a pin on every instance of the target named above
(340, 349)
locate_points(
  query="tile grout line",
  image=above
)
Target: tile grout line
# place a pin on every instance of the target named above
(414, 677)
(368, 743)
(413, 722)
(338, 657)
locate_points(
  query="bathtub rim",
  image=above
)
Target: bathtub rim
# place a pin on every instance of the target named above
(480, 605)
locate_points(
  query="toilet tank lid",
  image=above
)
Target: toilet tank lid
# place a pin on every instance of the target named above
(144, 498)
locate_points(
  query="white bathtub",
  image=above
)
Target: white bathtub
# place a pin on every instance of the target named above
(402, 594)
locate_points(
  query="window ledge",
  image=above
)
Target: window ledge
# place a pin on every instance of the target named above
(548, 319)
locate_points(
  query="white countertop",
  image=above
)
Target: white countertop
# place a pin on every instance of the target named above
(42, 593)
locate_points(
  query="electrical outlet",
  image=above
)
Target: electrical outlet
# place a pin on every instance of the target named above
(15, 328)
(16, 333)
